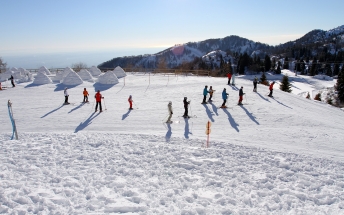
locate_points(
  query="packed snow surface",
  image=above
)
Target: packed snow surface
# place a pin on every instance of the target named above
(281, 155)
(108, 78)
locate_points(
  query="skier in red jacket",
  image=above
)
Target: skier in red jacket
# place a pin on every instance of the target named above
(130, 100)
(229, 75)
(98, 98)
(271, 88)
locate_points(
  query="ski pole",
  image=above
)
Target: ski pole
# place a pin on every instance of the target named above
(104, 104)
(245, 97)
(165, 117)
(135, 105)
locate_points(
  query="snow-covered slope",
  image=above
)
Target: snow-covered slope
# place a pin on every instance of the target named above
(281, 155)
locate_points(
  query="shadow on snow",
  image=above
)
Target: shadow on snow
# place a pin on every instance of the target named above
(86, 123)
(77, 107)
(56, 109)
(126, 114)
(102, 87)
(250, 115)
(209, 113)
(231, 120)
(60, 86)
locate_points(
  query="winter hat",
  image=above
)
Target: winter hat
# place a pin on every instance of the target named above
(206, 85)
(185, 98)
(224, 88)
(170, 102)
(130, 96)
(242, 87)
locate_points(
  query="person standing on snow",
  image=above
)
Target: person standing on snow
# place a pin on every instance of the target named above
(271, 88)
(211, 92)
(241, 93)
(205, 92)
(233, 80)
(186, 106)
(66, 96)
(229, 76)
(255, 84)
(224, 97)
(170, 112)
(12, 81)
(85, 93)
(98, 98)
(130, 100)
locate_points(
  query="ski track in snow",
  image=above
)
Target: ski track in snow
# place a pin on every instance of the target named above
(121, 173)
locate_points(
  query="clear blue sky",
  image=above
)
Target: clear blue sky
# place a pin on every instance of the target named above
(39, 26)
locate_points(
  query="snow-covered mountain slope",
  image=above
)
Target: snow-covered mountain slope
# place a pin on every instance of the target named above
(271, 156)
(317, 39)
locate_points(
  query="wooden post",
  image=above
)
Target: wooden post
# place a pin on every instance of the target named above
(207, 132)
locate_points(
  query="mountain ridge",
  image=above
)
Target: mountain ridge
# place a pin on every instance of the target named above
(173, 57)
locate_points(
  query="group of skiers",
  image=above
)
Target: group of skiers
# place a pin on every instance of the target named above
(98, 97)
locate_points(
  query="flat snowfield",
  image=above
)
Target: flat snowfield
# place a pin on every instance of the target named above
(281, 155)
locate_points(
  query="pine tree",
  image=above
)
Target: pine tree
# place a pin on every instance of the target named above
(313, 67)
(340, 85)
(336, 69)
(285, 85)
(267, 63)
(328, 70)
(286, 63)
(263, 79)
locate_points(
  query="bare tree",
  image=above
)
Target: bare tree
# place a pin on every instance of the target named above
(2, 65)
(79, 66)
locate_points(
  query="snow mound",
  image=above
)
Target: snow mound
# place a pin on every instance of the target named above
(44, 70)
(119, 72)
(41, 78)
(85, 75)
(108, 78)
(72, 79)
(323, 77)
(95, 71)
(61, 75)
(22, 75)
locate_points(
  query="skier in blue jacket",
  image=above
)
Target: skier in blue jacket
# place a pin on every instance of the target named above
(205, 92)
(224, 97)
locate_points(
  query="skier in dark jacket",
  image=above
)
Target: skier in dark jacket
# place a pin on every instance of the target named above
(186, 106)
(205, 92)
(241, 93)
(224, 97)
(12, 81)
(65, 92)
(255, 82)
